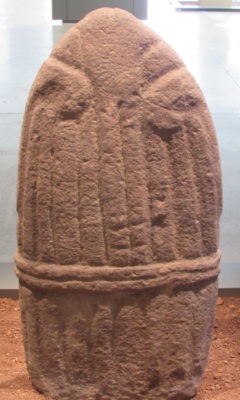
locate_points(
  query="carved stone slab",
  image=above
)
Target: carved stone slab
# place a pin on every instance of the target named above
(119, 201)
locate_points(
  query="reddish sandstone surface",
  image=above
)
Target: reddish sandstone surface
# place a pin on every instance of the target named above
(119, 163)
(119, 202)
(221, 379)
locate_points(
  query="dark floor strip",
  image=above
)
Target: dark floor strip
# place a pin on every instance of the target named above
(227, 292)
(9, 293)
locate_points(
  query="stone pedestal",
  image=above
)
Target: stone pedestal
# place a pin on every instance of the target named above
(119, 201)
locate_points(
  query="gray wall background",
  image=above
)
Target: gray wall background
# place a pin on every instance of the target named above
(73, 10)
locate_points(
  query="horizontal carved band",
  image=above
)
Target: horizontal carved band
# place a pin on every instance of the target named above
(107, 278)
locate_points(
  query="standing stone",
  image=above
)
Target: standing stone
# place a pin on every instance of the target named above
(119, 202)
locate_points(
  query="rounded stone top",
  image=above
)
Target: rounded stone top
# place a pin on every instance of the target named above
(119, 163)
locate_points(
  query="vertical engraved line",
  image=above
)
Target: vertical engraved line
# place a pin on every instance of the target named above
(43, 189)
(160, 187)
(51, 210)
(35, 221)
(79, 205)
(24, 143)
(173, 227)
(74, 343)
(215, 178)
(188, 227)
(35, 340)
(206, 182)
(145, 147)
(78, 180)
(123, 151)
(212, 140)
(30, 226)
(137, 199)
(99, 188)
(22, 178)
(112, 186)
(49, 319)
(65, 199)
(61, 324)
(129, 346)
(193, 174)
(101, 357)
(91, 225)
(94, 117)
(22, 169)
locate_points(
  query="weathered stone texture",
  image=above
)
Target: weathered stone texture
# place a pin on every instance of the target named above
(148, 344)
(119, 201)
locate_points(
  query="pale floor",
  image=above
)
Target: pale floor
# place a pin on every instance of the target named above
(208, 43)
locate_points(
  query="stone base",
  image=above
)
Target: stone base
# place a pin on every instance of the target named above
(126, 344)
